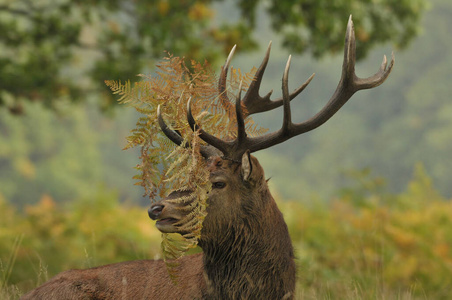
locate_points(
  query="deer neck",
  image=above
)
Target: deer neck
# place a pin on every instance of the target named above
(253, 258)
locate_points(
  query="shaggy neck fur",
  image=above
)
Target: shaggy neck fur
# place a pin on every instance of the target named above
(252, 257)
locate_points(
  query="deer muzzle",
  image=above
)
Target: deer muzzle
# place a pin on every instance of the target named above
(166, 216)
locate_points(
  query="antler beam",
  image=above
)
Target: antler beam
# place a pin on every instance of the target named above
(175, 137)
(348, 85)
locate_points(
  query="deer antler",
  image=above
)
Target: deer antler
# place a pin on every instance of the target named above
(348, 85)
(175, 137)
(253, 102)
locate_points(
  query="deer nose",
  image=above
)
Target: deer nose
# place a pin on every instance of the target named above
(155, 211)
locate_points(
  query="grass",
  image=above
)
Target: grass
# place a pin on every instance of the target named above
(354, 247)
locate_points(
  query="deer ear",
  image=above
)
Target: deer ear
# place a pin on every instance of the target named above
(246, 166)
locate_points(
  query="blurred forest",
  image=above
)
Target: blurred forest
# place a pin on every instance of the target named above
(381, 133)
(377, 175)
(69, 151)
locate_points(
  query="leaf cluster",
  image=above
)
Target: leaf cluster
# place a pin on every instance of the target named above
(165, 167)
(62, 50)
(304, 24)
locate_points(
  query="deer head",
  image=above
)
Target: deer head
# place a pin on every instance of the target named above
(240, 182)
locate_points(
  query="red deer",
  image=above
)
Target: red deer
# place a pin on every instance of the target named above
(247, 250)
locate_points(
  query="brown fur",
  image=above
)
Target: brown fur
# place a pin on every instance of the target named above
(141, 279)
(248, 253)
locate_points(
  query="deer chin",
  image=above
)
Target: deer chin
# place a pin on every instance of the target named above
(167, 225)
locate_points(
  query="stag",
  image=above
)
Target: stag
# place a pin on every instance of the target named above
(247, 250)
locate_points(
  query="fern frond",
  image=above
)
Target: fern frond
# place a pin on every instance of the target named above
(165, 167)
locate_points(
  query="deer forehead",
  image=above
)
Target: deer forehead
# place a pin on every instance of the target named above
(218, 164)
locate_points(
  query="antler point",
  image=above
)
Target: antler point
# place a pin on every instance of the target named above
(228, 60)
(350, 48)
(286, 70)
(268, 49)
(384, 63)
(189, 106)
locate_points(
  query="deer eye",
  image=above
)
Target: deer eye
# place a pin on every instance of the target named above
(218, 185)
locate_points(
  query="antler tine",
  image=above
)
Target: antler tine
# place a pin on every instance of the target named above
(172, 135)
(190, 118)
(379, 77)
(228, 60)
(224, 99)
(348, 68)
(348, 65)
(221, 145)
(252, 101)
(255, 103)
(241, 133)
(249, 101)
(206, 151)
(287, 119)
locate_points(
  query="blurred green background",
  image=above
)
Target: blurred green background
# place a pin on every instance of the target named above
(366, 196)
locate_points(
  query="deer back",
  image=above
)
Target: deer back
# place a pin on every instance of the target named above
(141, 279)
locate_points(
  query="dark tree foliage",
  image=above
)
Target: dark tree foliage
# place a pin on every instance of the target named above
(55, 50)
(316, 26)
